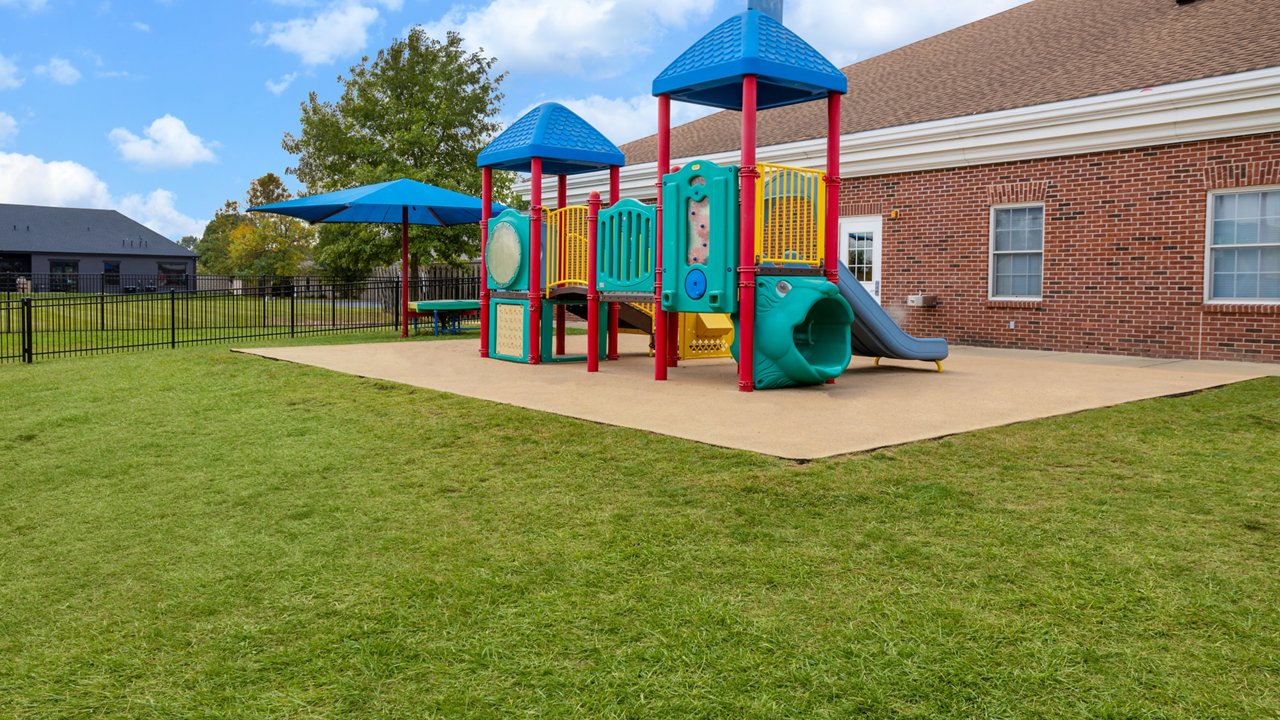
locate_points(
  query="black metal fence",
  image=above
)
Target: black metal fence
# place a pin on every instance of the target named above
(51, 325)
(429, 283)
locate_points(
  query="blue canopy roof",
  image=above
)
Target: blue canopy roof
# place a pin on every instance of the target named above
(788, 69)
(566, 143)
(385, 203)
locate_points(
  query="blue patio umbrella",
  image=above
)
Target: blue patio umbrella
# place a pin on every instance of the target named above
(405, 202)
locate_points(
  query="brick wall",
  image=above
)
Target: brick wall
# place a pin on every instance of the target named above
(1124, 250)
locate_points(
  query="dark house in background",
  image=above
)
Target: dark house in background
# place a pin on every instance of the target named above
(83, 250)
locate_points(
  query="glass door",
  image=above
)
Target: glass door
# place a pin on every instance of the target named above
(860, 250)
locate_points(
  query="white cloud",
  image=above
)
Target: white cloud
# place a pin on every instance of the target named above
(60, 71)
(157, 212)
(625, 119)
(596, 36)
(168, 144)
(99, 63)
(29, 180)
(10, 78)
(28, 5)
(8, 128)
(880, 24)
(392, 5)
(141, 26)
(340, 29)
(278, 86)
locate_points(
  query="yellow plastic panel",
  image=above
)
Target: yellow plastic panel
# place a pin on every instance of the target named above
(790, 215)
(566, 247)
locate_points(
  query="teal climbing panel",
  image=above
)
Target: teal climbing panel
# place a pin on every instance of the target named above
(700, 238)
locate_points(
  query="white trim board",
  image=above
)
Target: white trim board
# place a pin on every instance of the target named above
(1231, 105)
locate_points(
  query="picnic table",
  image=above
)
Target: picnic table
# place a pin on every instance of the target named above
(446, 315)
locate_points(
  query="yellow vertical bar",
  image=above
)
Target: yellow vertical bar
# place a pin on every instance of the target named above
(809, 234)
(821, 237)
(758, 234)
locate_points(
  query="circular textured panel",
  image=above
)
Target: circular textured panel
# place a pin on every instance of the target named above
(502, 254)
(695, 284)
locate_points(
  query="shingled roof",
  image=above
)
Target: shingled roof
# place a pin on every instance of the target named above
(80, 231)
(1042, 52)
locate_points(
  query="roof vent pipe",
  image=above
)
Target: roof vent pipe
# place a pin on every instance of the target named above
(772, 8)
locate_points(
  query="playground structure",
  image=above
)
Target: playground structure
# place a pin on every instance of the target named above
(734, 260)
(536, 265)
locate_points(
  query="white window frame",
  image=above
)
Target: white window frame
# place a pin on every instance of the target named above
(991, 252)
(1209, 299)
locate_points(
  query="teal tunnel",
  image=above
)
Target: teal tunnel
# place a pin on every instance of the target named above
(802, 332)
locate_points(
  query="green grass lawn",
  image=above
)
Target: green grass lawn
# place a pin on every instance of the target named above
(194, 533)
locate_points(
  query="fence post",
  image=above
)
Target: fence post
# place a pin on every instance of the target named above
(28, 352)
(173, 317)
(292, 304)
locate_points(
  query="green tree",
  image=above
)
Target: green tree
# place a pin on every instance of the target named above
(214, 243)
(236, 243)
(270, 244)
(422, 109)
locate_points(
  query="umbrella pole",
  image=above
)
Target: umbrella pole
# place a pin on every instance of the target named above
(404, 271)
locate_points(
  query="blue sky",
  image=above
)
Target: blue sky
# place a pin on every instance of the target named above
(164, 109)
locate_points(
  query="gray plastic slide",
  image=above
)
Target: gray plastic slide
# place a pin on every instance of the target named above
(875, 334)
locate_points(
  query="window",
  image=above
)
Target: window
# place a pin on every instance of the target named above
(64, 275)
(861, 258)
(171, 274)
(1017, 252)
(1244, 246)
(111, 272)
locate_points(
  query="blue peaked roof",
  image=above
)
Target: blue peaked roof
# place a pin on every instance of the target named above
(788, 69)
(566, 143)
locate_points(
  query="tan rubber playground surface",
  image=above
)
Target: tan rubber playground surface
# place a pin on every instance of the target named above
(868, 407)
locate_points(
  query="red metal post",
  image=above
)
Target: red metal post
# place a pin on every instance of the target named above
(404, 271)
(832, 241)
(535, 263)
(747, 240)
(593, 290)
(615, 194)
(673, 339)
(613, 331)
(562, 195)
(486, 197)
(660, 338)
(561, 318)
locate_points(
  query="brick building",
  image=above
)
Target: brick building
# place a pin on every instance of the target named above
(1072, 175)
